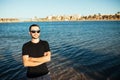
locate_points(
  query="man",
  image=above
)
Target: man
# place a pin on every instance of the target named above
(36, 53)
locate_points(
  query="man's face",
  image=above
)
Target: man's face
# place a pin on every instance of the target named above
(35, 32)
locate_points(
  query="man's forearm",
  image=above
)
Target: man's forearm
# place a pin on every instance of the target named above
(28, 63)
(31, 64)
(43, 59)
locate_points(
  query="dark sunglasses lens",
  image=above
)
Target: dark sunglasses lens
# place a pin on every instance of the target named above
(33, 31)
(38, 31)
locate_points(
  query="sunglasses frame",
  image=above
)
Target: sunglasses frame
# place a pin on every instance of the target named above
(33, 31)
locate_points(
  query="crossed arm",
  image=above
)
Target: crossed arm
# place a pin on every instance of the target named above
(31, 62)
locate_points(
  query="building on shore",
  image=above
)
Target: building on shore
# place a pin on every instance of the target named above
(9, 20)
(77, 17)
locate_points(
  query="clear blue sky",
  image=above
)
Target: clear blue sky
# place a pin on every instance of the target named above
(43, 8)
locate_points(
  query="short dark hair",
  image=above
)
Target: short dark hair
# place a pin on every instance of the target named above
(32, 26)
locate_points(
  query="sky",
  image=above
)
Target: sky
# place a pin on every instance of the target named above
(44, 8)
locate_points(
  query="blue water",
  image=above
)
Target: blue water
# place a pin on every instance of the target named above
(85, 50)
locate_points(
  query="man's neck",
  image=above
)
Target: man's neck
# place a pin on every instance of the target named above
(35, 40)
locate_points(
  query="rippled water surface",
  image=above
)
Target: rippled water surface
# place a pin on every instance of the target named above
(88, 50)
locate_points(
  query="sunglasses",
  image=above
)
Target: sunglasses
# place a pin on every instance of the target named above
(33, 31)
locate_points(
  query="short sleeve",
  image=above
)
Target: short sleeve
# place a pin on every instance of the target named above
(24, 50)
(47, 46)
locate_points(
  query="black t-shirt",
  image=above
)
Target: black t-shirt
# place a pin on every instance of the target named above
(36, 50)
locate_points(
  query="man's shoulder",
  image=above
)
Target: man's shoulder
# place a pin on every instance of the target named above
(44, 41)
(27, 43)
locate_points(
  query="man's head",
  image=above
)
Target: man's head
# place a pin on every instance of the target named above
(34, 31)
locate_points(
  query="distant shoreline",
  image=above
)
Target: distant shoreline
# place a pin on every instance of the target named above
(59, 18)
(60, 21)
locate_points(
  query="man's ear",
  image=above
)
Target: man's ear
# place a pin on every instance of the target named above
(29, 33)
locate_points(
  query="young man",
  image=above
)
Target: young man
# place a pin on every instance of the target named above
(36, 53)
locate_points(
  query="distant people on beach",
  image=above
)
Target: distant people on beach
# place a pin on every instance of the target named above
(36, 53)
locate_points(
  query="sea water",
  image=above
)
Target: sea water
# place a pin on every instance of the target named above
(81, 50)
